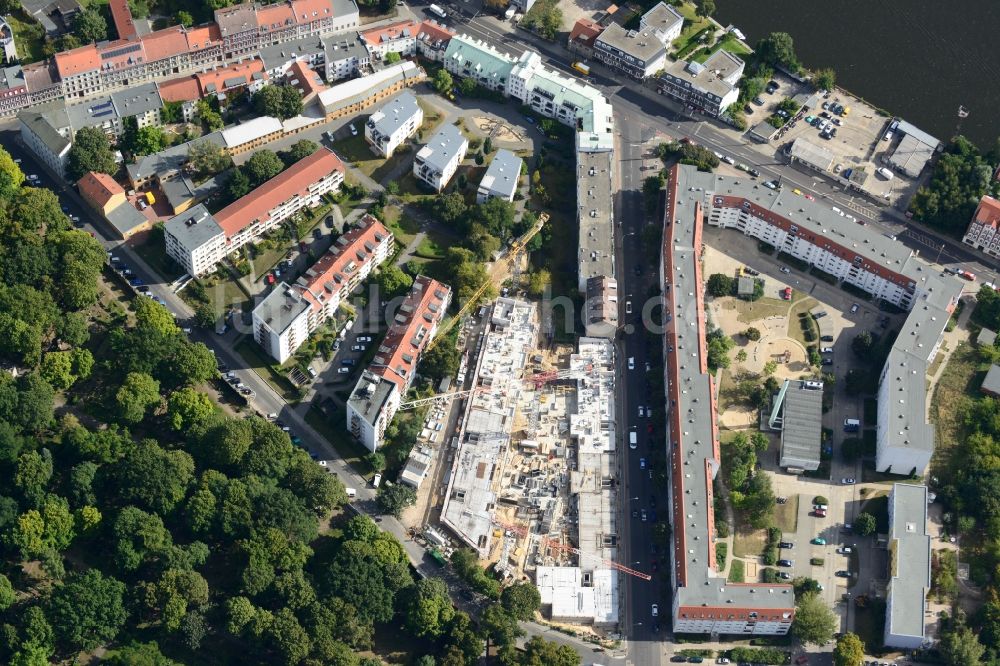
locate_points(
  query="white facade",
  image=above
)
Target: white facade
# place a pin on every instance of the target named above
(47, 143)
(501, 178)
(281, 322)
(370, 409)
(438, 161)
(393, 124)
(195, 241)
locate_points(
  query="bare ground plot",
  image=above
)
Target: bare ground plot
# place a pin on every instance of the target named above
(749, 543)
(960, 379)
(786, 516)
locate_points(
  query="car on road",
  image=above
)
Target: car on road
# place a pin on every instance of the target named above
(638, 270)
(358, 348)
(786, 544)
(642, 463)
(343, 370)
(827, 350)
(635, 513)
(656, 610)
(628, 307)
(785, 269)
(722, 660)
(754, 172)
(786, 294)
(818, 541)
(781, 500)
(354, 130)
(842, 574)
(854, 308)
(785, 563)
(845, 550)
(847, 481)
(642, 411)
(643, 515)
(648, 366)
(747, 109)
(631, 363)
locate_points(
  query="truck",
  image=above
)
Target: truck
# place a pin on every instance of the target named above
(437, 11)
(509, 14)
(438, 557)
(582, 68)
(851, 425)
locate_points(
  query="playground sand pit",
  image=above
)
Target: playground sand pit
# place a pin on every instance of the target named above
(498, 130)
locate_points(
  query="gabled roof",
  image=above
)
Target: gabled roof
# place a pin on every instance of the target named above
(293, 180)
(275, 17)
(433, 31)
(988, 212)
(386, 33)
(585, 31)
(344, 258)
(409, 334)
(307, 11)
(307, 80)
(165, 43)
(98, 188)
(203, 37)
(223, 78)
(184, 89)
(73, 62)
(122, 16)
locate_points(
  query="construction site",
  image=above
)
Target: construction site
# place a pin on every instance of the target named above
(533, 482)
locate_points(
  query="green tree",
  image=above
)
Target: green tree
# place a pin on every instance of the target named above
(149, 140)
(138, 537)
(961, 647)
(705, 7)
(136, 395)
(393, 499)
(825, 79)
(207, 158)
(209, 116)
(262, 166)
(499, 627)
(376, 460)
(154, 478)
(426, 608)
(7, 594)
(151, 315)
(37, 208)
(185, 19)
(10, 167)
(392, 281)
(204, 315)
(849, 650)
(863, 346)
(188, 407)
(91, 151)
(540, 652)
(752, 334)
(89, 25)
(281, 102)
(777, 48)
(521, 600)
(770, 368)
(392, 58)
(88, 610)
(72, 329)
(299, 151)
(443, 83)
(239, 185)
(720, 285)
(814, 622)
(865, 524)
(961, 177)
(140, 654)
(57, 369)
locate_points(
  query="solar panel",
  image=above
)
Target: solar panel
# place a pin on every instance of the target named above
(131, 48)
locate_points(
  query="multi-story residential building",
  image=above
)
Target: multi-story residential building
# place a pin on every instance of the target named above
(643, 52)
(393, 124)
(602, 307)
(349, 97)
(46, 132)
(472, 58)
(345, 56)
(582, 36)
(906, 608)
(704, 601)
(708, 87)
(142, 104)
(399, 37)
(438, 160)
(501, 178)
(982, 232)
(432, 40)
(379, 391)
(108, 198)
(192, 238)
(281, 322)
(867, 260)
(595, 196)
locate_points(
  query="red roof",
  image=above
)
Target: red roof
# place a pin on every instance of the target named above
(275, 17)
(307, 11)
(988, 212)
(586, 31)
(75, 61)
(98, 188)
(293, 180)
(409, 334)
(308, 81)
(352, 250)
(165, 43)
(184, 89)
(203, 37)
(435, 31)
(386, 33)
(218, 77)
(122, 53)
(122, 17)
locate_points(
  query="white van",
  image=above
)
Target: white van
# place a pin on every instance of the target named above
(885, 173)
(851, 425)
(351, 493)
(377, 481)
(632, 442)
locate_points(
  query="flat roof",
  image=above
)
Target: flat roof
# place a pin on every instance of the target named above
(502, 175)
(279, 54)
(125, 218)
(662, 17)
(812, 154)
(695, 76)
(801, 425)
(169, 161)
(395, 113)
(489, 416)
(725, 65)
(909, 560)
(255, 128)
(643, 45)
(443, 147)
(370, 395)
(416, 466)
(349, 92)
(43, 121)
(909, 129)
(991, 382)
(281, 307)
(137, 100)
(911, 155)
(93, 112)
(193, 228)
(595, 192)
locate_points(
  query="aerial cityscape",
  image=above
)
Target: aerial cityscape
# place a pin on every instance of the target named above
(519, 332)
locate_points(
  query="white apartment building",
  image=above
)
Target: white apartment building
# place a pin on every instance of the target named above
(501, 177)
(381, 388)
(47, 138)
(286, 317)
(906, 606)
(394, 123)
(301, 185)
(438, 161)
(982, 232)
(399, 37)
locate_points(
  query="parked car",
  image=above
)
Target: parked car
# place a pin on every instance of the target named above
(785, 269)
(818, 541)
(827, 338)
(758, 101)
(785, 563)
(786, 544)
(827, 350)
(842, 574)
(845, 550)
(656, 610)
(854, 308)
(847, 481)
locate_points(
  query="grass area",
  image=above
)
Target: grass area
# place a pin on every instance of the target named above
(732, 45)
(29, 36)
(249, 351)
(356, 151)
(786, 516)
(870, 475)
(429, 249)
(737, 571)
(412, 190)
(721, 553)
(432, 118)
(693, 25)
(750, 312)
(727, 387)
(402, 227)
(224, 293)
(557, 186)
(332, 430)
(153, 253)
(749, 543)
(961, 378)
(795, 332)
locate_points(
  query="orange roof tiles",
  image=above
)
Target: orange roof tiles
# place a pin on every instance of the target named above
(334, 269)
(586, 31)
(307, 11)
(165, 43)
(122, 16)
(184, 89)
(75, 61)
(409, 334)
(218, 77)
(988, 212)
(435, 31)
(98, 188)
(203, 37)
(377, 36)
(275, 17)
(295, 179)
(308, 81)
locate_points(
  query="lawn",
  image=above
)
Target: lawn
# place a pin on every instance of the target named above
(403, 227)
(763, 308)
(332, 430)
(786, 516)
(748, 543)
(795, 331)
(429, 249)
(731, 45)
(432, 118)
(737, 571)
(29, 36)
(152, 251)
(411, 190)
(224, 293)
(694, 24)
(249, 351)
(356, 151)
(961, 378)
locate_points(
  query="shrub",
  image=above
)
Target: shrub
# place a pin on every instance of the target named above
(817, 561)
(820, 499)
(770, 555)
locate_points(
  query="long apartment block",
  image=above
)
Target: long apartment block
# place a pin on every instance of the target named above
(378, 393)
(198, 241)
(286, 317)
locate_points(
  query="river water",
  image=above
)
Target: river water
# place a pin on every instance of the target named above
(917, 59)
